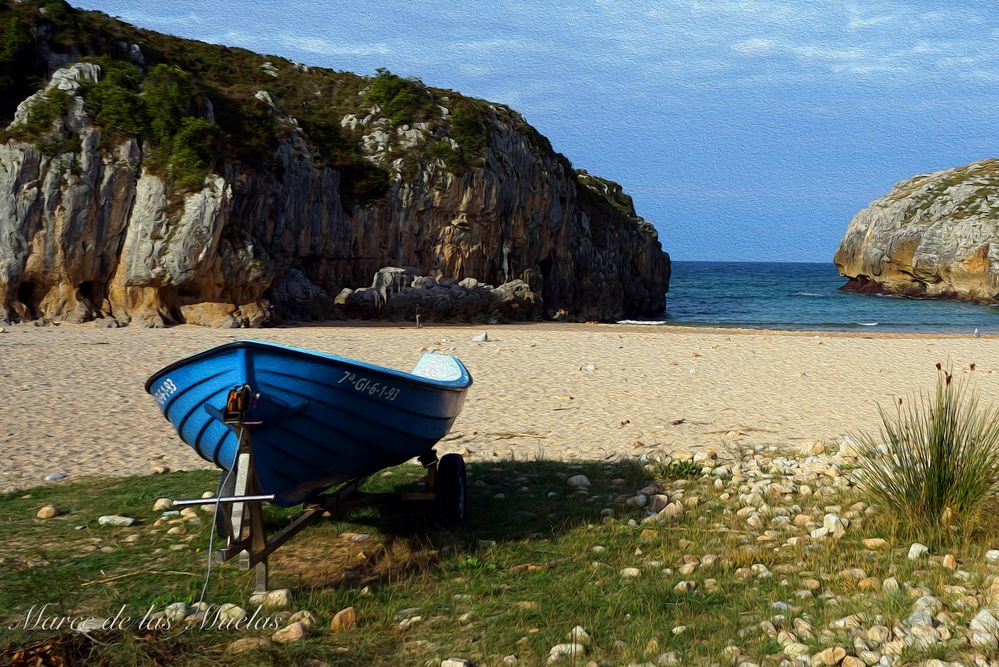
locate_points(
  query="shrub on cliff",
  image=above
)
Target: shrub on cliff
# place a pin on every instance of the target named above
(16, 41)
(42, 114)
(400, 99)
(194, 146)
(935, 466)
(170, 96)
(469, 131)
(114, 101)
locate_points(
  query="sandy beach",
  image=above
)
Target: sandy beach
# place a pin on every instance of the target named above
(73, 401)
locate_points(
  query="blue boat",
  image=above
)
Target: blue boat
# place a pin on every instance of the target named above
(316, 420)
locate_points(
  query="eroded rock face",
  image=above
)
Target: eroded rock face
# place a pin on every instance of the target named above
(92, 234)
(934, 235)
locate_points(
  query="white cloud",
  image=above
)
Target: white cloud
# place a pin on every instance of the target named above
(475, 70)
(755, 46)
(329, 48)
(827, 53)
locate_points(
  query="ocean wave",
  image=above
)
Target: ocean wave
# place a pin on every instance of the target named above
(866, 324)
(807, 294)
(649, 322)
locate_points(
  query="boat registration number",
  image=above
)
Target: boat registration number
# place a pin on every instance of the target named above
(165, 391)
(364, 385)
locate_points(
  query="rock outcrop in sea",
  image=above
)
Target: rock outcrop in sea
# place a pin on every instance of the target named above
(265, 193)
(934, 235)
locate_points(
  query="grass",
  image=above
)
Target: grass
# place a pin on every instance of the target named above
(934, 467)
(522, 573)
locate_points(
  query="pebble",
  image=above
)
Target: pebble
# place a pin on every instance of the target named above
(231, 612)
(344, 620)
(244, 644)
(578, 635)
(876, 544)
(482, 337)
(55, 476)
(290, 633)
(829, 657)
(280, 597)
(162, 504)
(176, 611)
(48, 511)
(408, 612)
(918, 551)
(115, 520)
(305, 617)
(992, 555)
(456, 662)
(572, 650)
(796, 650)
(578, 482)
(629, 572)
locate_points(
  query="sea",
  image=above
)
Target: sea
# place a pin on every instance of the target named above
(806, 297)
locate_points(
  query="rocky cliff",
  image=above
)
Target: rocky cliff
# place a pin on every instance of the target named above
(934, 235)
(156, 180)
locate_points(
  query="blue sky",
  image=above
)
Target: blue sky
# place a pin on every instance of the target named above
(744, 129)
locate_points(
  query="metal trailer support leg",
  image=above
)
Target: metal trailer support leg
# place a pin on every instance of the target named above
(247, 516)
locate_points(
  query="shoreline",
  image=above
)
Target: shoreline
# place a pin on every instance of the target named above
(546, 325)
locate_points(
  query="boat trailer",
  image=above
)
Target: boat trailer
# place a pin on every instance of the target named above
(239, 517)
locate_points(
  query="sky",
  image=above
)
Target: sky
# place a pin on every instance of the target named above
(745, 130)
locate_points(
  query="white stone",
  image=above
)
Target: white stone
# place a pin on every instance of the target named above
(115, 520)
(231, 612)
(566, 651)
(578, 482)
(176, 611)
(795, 650)
(918, 551)
(578, 635)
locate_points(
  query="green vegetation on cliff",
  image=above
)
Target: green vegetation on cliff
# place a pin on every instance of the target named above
(173, 92)
(194, 105)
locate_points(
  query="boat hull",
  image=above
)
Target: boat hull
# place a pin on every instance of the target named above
(322, 419)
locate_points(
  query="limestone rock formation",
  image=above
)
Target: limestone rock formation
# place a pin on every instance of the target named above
(399, 294)
(934, 235)
(95, 223)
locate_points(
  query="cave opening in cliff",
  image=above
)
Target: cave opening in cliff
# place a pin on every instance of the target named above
(546, 265)
(26, 295)
(86, 290)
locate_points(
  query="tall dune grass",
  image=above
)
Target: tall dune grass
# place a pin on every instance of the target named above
(934, 469)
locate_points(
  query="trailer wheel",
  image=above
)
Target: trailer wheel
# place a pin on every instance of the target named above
(451, 490)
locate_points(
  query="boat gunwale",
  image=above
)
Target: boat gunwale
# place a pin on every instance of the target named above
(461, 384)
